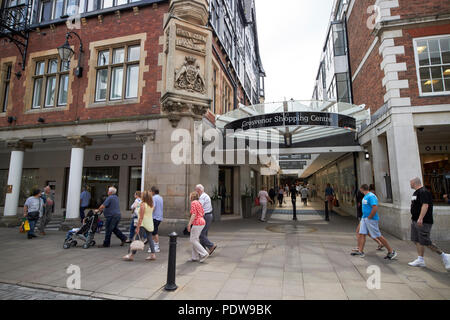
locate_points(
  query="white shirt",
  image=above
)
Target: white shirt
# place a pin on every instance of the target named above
(205, 200)
(263, 195)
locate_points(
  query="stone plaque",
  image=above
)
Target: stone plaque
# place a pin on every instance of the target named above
(190, 40)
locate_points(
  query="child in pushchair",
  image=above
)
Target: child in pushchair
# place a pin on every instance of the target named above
(85, 233)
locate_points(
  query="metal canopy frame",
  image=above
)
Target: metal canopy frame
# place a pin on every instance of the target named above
(296, 134)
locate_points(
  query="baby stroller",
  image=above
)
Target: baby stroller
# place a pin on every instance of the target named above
(85, 233)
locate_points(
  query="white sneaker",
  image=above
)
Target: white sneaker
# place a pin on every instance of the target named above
(157, 249)
(446, 261)
(417, 263)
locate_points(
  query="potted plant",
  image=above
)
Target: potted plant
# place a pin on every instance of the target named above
(216, 201)
(246, 201)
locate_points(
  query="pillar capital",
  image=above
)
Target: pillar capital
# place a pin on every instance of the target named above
(144, 136)
(19, 145)
(79, 141)
(195, 11)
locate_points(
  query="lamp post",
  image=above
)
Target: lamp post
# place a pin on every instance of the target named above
(66, 53)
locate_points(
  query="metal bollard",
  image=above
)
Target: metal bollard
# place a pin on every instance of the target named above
(327, 217)
(171, 269)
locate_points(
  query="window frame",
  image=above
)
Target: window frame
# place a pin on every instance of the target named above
(110, 66)
(45, 76)
(5, 86)
(416, 59)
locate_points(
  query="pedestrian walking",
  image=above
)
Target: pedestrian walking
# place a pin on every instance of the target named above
(205, 201)
(329, 196)
(359, 199)
(85, 199)
(111, 211)
(280, 196)
(144, 226)
(422, 223)
(370, 224)
(32, 210)
(272, 194)
(135, 207)
(286, 190)
(304, 193)
(293, 191)
(49, 200)
(196, 226)
(157, 216)
(263, 199)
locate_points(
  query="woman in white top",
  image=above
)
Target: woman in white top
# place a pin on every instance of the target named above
(263, 198)
(134, 215)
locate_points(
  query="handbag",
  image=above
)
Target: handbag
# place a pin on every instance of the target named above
(137, 245)
(34, 215)
(257, 203)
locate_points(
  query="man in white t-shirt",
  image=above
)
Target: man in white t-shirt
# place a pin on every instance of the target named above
(263, 199)
(205, 200)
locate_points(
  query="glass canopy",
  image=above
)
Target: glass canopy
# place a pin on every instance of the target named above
(291, 122)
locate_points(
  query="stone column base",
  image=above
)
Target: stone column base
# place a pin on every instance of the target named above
(10, 221)
(170, 225)
(69, 224)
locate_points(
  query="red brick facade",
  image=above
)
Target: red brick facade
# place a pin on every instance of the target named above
(408, 58)
(367, 86)
(149, 20)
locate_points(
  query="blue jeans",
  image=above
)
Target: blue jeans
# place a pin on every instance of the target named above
(133, 231)
(111, 226)
(204, 235)
(82, 213)
(32, 226)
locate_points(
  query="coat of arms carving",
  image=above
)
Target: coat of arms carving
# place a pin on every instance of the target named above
(189, 78)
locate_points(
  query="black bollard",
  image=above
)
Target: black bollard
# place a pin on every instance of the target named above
(327, 217)
(171, 269)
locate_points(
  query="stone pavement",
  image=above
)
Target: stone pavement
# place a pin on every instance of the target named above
(14, 292)
(281, 259)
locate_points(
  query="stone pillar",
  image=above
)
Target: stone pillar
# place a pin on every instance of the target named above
(14, 180)
(143, 137)
(186, 92)
(75, 178)
(405, 165)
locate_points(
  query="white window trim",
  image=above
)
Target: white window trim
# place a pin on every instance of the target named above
(416, 58)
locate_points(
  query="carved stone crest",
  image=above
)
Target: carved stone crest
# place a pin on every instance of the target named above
(189, 78)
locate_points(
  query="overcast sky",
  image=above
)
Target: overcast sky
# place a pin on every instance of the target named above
(291, 37)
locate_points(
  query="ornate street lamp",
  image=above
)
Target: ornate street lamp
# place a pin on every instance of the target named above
(66, 53)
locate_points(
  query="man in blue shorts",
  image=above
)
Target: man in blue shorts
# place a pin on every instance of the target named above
(369, 224)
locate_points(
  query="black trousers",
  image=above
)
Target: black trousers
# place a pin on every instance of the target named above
(112, 226)
(294, 208)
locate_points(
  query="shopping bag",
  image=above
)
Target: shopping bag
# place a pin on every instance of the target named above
(25, 226)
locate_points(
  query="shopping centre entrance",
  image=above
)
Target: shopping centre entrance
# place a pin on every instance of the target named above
(312, 142)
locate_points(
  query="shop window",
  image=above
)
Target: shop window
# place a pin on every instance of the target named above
(436, 174)
(97, 180)
(50, 84)
(29, 182)
(433, 65)
(5, 87)
(134, 183)
(117, 73)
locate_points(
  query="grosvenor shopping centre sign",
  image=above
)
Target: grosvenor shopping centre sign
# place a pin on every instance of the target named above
(288, 119)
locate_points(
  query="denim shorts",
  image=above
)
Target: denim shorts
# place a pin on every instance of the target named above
(370, 227)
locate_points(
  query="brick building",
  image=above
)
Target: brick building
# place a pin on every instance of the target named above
(107, 116)
(399, 66)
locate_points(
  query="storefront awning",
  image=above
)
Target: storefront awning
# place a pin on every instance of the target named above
(291, 122)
